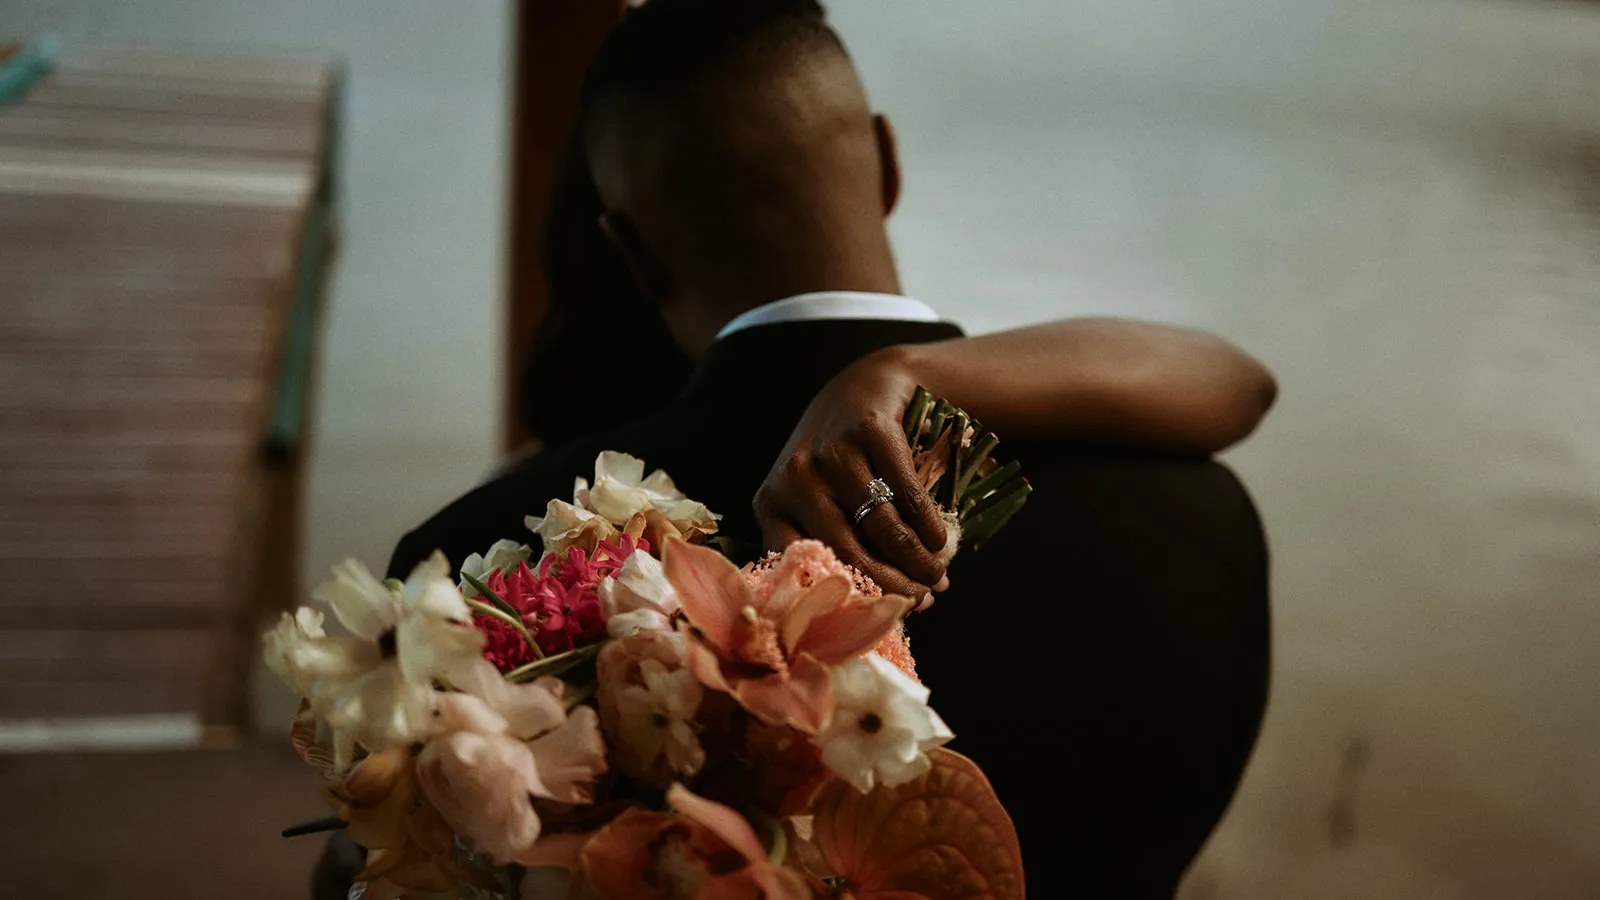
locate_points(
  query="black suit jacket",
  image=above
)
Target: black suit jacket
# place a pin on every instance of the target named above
(1104, 659)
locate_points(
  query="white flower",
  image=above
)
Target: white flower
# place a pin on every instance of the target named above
(564, 525)
(655, 719)
(381, 694)
(638, 597)
(621, 490)
(882, 728)
(296, 650)
(503, 556)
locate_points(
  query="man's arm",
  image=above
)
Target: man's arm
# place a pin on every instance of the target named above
(1112, 382)
(1106, 382)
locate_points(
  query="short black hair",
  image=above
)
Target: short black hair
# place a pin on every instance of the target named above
(592, 293)
(665, 44)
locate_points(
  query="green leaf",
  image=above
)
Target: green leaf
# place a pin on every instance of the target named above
(494, 598)
(554, 665)
(777, 837)
(579, 695)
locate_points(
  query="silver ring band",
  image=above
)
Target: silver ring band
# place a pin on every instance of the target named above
(878, 493)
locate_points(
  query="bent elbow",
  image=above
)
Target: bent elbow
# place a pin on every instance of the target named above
(1249, 408)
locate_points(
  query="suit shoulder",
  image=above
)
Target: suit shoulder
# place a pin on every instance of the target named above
(492, 511)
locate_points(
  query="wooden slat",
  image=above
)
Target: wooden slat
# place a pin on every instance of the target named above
(39, 576)
(61, 128)
(176, 242)
(311, 76)
(39, 652)
(159, 177)
(57, 698)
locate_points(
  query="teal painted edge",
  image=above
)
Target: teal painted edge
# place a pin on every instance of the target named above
(291, 395)
(18, 73)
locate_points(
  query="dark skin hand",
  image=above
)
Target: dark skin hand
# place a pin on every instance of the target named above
(1095, 381)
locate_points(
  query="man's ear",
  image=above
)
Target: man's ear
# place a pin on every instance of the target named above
(888, 162)
(648, 273)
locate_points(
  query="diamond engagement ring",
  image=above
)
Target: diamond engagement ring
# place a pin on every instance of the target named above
(878, 492)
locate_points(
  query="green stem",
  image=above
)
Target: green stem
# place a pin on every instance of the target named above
(554, 665)
(577, 696)
(998, 520)
(315, 826)
(778, 844)
(973, 458)
(996, 510)
(985, 504)
(952, 471)
(916, 414)
(941, 412)
(992, 481)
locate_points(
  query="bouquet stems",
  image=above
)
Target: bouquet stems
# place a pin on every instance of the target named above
(976, 492)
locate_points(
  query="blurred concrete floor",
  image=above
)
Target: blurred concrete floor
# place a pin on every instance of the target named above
(198, 825)
(1396, 204)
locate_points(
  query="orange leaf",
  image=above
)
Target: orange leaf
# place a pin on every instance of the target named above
(944, 836)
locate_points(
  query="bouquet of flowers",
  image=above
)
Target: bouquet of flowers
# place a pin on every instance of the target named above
(629, 715)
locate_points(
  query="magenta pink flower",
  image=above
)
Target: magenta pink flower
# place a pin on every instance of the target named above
(770, 643)
(559, 604)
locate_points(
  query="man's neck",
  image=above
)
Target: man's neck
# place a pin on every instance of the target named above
(704, 313)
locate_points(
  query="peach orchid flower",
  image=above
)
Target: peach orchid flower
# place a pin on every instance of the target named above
(770, 644)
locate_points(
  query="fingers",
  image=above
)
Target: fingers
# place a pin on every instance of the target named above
(848, 473)
(777, 532)
(899, 545)
(890, 457)
(826, 522)
(815, 494)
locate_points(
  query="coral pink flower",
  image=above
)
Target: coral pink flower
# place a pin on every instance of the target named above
(894, 646)
(702, 851)
(770, 644)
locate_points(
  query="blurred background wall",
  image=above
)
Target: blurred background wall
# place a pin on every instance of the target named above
(1395, 204)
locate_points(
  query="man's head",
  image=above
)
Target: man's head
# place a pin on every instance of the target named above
(737, 158)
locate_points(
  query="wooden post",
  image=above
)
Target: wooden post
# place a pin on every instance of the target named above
(556, 39)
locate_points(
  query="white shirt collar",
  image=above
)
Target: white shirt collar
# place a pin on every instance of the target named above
(832, 305)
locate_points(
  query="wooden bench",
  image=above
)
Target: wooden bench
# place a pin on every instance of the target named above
(165, 222)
